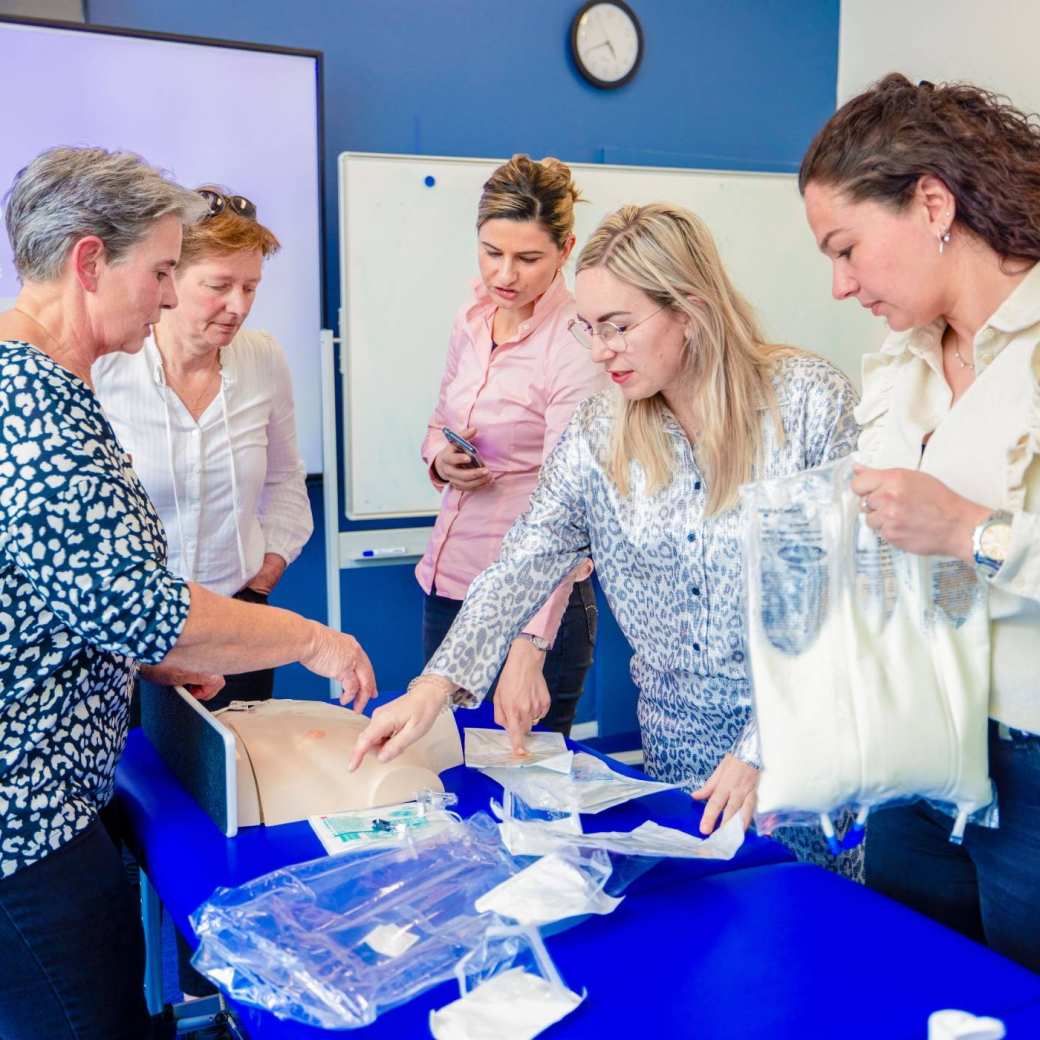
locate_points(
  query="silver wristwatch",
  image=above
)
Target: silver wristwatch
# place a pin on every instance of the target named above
(990, 542)
(538, 641)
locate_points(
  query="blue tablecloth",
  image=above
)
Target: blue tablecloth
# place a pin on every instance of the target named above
(757, 947)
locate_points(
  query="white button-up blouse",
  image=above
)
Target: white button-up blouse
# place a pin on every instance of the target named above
(231, 486)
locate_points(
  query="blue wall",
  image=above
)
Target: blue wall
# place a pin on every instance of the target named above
(740, 84)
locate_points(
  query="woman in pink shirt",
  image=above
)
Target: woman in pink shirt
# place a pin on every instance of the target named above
(513, 377)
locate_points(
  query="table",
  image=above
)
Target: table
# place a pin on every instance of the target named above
(756, 947)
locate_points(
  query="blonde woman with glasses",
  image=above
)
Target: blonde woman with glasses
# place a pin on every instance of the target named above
(645, 481)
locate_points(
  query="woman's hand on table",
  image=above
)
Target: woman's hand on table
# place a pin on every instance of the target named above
(521, 697)
(456, 468)
(915, 512)
(203, 686)
(729, 790)
(336, 655)
(399, 724)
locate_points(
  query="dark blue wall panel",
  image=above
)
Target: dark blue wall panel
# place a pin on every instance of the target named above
(740, 84)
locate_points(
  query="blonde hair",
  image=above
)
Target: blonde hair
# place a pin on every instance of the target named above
(668, 253)
(227, 232)
(523, 189)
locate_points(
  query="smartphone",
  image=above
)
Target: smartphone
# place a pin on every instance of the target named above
(463, 445)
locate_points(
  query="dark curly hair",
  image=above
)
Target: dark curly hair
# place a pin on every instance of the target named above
(986, 151)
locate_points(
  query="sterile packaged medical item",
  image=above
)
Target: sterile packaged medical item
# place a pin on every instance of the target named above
(353, 831)
(590, 787)
(563, 884)
(493, 748)
(870, 666)
(334, 942)
(535, 838)
(516, 1004)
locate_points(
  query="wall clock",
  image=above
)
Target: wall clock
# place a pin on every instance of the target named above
(607, 43)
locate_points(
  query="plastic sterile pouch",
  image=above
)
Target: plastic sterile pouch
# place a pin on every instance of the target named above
(516, 1004)
(493, 748)
(564, 884)
(513, 807)
(334, 942)
(535, 838)
(590, 787)
(354, 831)
(869, 665)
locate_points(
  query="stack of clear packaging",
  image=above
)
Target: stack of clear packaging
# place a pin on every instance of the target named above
(870, 666)
(336, 941)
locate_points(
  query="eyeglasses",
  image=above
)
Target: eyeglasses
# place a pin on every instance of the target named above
(612, 336)
(236, 203)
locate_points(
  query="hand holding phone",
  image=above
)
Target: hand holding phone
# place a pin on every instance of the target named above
(463, 445)
(459, 463)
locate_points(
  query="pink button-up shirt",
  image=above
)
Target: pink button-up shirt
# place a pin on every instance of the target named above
(519, 396)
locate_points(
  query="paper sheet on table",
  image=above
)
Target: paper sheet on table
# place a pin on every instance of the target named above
(535, 838)
(515, 1005)
(550, 889)
(590, 787)
(492, 748)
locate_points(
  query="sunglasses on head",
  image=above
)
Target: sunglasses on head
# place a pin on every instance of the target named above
(236, 203)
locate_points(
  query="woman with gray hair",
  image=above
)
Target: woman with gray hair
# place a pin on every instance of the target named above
(85, 594)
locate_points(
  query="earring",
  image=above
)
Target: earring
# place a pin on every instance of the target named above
(943, 239)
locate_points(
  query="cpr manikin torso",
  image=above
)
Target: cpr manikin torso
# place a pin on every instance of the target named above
(292, 761)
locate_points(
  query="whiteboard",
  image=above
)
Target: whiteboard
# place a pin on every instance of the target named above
(408, 253)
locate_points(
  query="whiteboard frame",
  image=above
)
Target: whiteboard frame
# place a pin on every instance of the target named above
(350, 440)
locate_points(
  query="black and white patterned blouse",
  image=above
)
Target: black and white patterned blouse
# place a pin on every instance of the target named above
(84, 594)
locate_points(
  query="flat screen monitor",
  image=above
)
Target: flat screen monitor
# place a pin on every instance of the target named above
(244, 117)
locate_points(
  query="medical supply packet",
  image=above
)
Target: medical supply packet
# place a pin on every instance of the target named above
(538, 838)
(334, 942)
(352, 831)
(869, 665)
(515, 1005)
(565, 883)
(590, 787)
(492, 748)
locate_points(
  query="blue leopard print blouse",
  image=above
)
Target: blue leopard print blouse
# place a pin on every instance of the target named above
(84, 595)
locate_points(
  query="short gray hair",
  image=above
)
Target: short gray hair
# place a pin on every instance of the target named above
(66, 194)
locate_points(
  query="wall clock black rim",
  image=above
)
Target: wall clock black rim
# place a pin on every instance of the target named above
(606, 84)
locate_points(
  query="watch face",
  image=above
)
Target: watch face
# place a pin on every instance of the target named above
(996, 540)
(607, 43)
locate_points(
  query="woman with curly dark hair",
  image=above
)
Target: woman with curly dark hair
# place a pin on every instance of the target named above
(926, 199)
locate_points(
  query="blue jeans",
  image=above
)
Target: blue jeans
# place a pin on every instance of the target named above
(989, 887)
(566, 663)
(73, 948)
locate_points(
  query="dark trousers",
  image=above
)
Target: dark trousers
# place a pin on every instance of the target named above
(73, 949)
(566, 663)
(989, 887)
(245, 686)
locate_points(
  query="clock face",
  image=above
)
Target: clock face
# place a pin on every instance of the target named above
(607, 43)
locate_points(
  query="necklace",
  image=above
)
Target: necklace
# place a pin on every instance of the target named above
(207, 385)
(180, 385)
(957, 354)
(43, 328)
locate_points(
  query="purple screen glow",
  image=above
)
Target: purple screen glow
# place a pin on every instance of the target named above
(239, 118)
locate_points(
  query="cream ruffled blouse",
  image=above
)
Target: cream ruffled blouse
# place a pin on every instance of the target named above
(985, 447)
